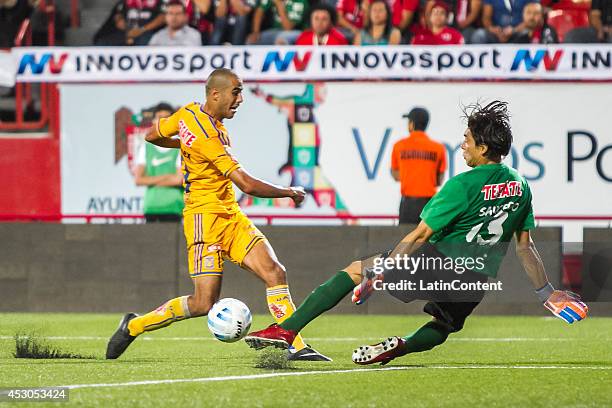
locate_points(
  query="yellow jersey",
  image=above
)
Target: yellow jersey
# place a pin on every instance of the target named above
(207, 161)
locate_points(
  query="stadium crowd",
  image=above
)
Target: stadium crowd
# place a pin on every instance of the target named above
(358, 22)
(339, 22)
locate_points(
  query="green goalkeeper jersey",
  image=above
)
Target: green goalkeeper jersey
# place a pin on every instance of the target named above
(476, 214)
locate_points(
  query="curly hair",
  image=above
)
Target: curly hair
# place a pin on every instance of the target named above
(490, 126)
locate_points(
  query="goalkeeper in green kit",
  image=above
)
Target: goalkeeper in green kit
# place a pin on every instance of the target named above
(476, 214)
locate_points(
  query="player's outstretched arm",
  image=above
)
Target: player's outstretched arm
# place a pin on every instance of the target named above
(154, 137)
(260, 188)
(413, 240)
(563, 304)
(530, 259)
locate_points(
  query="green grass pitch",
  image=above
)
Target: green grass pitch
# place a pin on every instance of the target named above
(493, 362)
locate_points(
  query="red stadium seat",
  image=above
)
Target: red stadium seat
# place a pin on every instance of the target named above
(566, 20)
(572, 267)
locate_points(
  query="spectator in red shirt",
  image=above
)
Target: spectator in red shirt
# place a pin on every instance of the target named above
(322, 31)
(437, 31)
(596, 11)
(464, 15)
(351, 16)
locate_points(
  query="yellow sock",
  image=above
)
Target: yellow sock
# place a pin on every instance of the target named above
(281, 307)
(168, 313)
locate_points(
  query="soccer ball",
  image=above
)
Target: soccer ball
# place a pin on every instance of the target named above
(229, 320)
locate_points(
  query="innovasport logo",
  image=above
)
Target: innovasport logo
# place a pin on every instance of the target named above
(532, 62)
(54, 61)
(281, 62)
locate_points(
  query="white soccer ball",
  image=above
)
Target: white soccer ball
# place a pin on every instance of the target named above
(229, 320)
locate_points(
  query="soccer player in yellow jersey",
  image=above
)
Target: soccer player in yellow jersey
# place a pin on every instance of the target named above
(214, 225)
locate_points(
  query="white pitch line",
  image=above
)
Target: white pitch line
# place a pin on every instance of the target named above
(330, 339)
(227, 378)
(305, 373)
(510, 339)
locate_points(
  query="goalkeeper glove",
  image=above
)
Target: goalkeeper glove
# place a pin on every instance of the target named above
(362, 292)
(565, 305)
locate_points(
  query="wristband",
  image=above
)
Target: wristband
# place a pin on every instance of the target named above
(544, 292)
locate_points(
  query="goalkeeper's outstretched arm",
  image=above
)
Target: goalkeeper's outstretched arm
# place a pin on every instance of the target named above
(530, 259)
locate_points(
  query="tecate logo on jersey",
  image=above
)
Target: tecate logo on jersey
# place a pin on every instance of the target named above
(502, 190)
(186, 136)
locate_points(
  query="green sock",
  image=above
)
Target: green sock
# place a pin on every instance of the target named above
(427, 337)
(323, 298)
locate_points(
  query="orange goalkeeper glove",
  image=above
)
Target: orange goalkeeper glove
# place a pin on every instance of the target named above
(565, 305)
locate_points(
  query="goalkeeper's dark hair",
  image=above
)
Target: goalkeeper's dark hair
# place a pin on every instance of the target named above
(490, 126)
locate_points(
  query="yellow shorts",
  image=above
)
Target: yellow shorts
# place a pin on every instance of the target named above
(212, 237)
